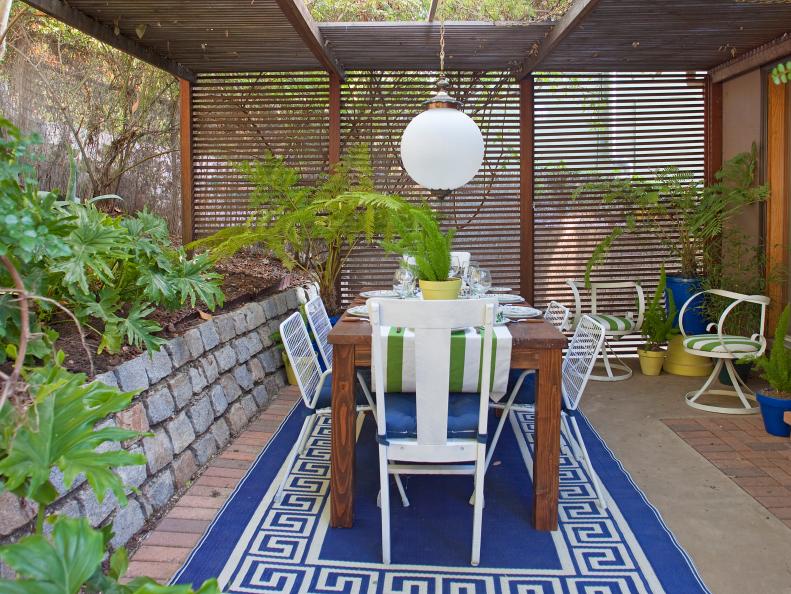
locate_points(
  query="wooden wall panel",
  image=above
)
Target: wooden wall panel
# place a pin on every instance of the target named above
(595, 126)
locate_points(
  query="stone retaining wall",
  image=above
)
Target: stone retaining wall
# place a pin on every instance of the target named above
(197, 392)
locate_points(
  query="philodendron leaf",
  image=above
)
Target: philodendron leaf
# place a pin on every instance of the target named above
(59, 430)
(60, 564)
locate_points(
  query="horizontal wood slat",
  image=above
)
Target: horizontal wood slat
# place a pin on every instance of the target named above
(609, 125)
(375, 109)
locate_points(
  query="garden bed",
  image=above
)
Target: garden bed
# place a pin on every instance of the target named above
(246, 277)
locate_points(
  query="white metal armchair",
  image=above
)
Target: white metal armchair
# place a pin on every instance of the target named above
(726, 348)
(615, 327)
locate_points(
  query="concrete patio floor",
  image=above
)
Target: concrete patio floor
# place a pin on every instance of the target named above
(736, 543)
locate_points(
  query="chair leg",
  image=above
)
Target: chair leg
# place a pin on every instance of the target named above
(303, 444)
(366, 391)
(477, 512)
(401, 490)
(744, 396)
(292, 457)
(384, 496)
(571, 443)
(589, 466)
(618, 365)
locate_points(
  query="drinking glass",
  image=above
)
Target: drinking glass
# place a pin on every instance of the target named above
(404, 282)
(484, 280)
(456, 268)
(468, 274)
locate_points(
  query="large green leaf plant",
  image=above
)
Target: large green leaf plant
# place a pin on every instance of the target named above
(312, 227)
(110, 271)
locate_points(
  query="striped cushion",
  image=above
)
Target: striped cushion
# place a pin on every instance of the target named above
(613, 323)
(712, 344)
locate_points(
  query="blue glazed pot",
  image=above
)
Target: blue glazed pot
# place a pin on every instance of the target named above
(682, 288)
(772, 410)
(334, 320)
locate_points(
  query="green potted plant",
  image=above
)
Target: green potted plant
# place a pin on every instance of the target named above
(775, 401)
(423, 241)
(657, 329)
(685, 217)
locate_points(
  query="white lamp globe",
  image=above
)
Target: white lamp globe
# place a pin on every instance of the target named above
(442, 148)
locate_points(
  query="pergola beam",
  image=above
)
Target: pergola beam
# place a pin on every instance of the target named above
(300, 18)
(573, 17)
(79, 20)
(755, 58)
(432, 11)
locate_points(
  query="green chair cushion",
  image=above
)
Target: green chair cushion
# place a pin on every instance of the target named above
(711, 343)
(613, 323)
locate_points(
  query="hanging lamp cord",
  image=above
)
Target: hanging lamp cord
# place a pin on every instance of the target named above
(442, 46)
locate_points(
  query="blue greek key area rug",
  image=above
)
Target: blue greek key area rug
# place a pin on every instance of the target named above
(260, 547)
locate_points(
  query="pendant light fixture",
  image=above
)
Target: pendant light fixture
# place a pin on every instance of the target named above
(442, 147)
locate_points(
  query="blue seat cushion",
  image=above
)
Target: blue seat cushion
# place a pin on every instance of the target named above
(527, 391)
(401, 415)
(325, 396)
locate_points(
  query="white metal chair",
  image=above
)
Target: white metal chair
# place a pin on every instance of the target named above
(578, 364)
(558, 315)
(314, 385)
(615, 327)
(725, 348)
(431, 431)
(320, 325)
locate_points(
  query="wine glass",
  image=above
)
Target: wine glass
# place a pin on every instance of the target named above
(484, 280)
(404, 282)
(468, 273)
(456, 269)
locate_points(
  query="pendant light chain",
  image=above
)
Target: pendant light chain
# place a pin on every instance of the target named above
(442, 47)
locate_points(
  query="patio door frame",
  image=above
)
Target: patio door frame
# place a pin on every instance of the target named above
(777, 143)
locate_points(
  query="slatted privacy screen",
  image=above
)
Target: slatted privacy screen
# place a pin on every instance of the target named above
(375, 109)
(239, 117)
(593, 127)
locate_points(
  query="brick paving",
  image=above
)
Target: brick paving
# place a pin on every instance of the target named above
(740, 447)
(169, 543)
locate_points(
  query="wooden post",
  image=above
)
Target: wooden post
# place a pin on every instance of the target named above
(777, 176)
(526, 268)
(335, 120)
(185, 96)
(712, 116)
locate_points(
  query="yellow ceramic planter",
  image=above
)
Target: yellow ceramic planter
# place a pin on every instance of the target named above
(290, 376)
(680, 362)
(651, 361)
(448, 289)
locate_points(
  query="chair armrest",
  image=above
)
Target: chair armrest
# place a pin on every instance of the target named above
(326, 373)
(577, 301)
(684, 309)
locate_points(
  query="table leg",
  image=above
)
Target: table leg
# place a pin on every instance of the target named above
(547, 446)
(343, 438)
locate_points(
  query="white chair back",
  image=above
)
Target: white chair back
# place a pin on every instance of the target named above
(301, 355)
(432, 322)
(595, 290)
(320, 325)
(557, 314)
(736, 299)
(580, 358)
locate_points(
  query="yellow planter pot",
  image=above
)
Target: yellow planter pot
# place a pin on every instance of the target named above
(448, 289)
(680, 362)
(651, 361)
(290, 376)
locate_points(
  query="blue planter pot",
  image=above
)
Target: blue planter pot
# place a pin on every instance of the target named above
(772, 410)
(682, 288)
(334, 320)
(743, 370)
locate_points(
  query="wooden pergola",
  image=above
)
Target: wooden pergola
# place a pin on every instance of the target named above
(198, 38)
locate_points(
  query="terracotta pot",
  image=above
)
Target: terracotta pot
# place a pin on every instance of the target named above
(651, 361)
(448, 289)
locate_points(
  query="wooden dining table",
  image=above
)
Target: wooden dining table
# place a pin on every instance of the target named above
(536, 344)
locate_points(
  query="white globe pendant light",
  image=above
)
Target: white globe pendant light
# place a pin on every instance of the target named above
(442, 147)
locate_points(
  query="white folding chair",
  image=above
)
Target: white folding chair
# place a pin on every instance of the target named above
(578, 363)
(314, 385)
(320, 325)
(615, 327)
(435, 432)
(725, 348)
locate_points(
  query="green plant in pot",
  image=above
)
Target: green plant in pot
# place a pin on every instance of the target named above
(657, 329)
(684, 217)
(423, 241)
(775, 368)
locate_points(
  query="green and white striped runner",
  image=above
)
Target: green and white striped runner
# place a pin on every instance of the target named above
(465, 360)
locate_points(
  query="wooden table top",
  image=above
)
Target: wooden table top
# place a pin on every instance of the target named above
(535, 334)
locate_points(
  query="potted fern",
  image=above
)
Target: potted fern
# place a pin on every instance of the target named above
(775, 401)
(423, 241)
(657, 329)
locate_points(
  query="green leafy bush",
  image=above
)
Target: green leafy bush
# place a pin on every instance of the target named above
(657, 326)
(313, 228)
(108, 269)
(422, 239)
(780, 74)
(776, 368)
